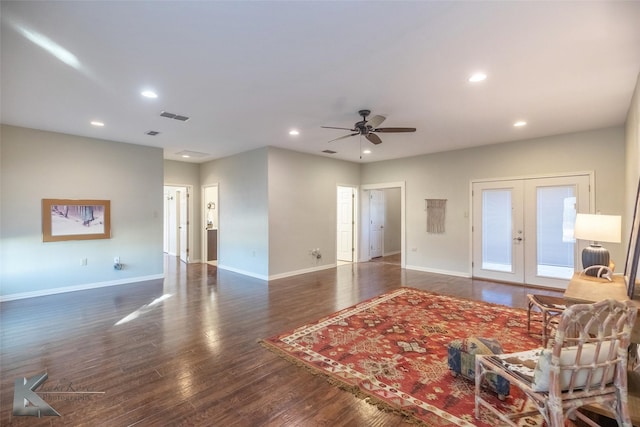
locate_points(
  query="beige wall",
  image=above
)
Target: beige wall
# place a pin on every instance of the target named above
(303, 209)
(392, 221)
(274, 204)
(243, 211)
(38, 164)
(448, 175)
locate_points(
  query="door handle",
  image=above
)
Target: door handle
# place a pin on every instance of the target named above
(519, 239)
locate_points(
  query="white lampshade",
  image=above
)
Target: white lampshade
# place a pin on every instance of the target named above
(598, 228)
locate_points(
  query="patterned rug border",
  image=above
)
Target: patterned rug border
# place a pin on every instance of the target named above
(354, 389)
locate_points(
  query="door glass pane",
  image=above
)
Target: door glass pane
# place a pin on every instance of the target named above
(556, 218)
(496, 230)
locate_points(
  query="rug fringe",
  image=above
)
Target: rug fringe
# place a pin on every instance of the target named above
(353, 389)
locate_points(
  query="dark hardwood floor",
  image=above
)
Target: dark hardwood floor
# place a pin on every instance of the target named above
(184, 351)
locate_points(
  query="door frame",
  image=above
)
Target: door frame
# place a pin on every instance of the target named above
(590, 174)
(363, 256)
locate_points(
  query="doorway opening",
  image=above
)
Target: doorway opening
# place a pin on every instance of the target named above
(383, 222)
(177, 221)
(211, 228)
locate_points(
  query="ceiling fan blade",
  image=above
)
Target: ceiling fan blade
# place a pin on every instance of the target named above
(345, 136)
(332, 127)
(376, 121)
(389, 130)
(375, 139)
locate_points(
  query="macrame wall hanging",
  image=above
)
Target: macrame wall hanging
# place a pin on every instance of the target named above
(436, 210)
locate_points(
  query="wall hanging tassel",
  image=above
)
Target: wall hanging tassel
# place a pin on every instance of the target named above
(436, 210)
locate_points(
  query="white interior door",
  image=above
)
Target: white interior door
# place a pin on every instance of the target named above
(345, 226)
(523, 229)
(376, 223)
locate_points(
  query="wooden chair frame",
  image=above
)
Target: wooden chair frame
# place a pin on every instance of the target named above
(550, 308)
(604, 326)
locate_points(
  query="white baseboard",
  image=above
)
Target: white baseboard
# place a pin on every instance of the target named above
(437, 271)
(304, 271)
(83, 287)
(243, 272)
(391, 253)
(277, 276)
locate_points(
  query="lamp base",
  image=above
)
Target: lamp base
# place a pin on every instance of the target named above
(594, 255)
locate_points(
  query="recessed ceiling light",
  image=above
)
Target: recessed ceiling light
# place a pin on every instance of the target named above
(520, 123)
(189, 153)
(186, 156)
(97, 123)
(477, 77)
(366, 152)
(294, 132)
(149, 94)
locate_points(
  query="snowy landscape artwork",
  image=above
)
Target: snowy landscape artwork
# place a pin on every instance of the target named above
(64, 219)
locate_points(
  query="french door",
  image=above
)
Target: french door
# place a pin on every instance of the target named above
(523, 229)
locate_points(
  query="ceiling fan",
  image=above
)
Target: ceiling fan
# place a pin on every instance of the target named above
(368, 128)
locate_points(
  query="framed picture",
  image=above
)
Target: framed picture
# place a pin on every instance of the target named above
(633, 250)
(65, 219)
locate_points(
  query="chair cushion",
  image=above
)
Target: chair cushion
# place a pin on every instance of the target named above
(568, 358)
(534, 366)
(522, 363)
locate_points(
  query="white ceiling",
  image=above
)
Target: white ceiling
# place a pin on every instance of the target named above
(247, 72)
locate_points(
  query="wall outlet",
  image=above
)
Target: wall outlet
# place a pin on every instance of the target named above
(116, 260)
(83, 261)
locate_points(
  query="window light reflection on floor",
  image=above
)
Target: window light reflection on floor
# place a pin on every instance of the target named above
(142, 310)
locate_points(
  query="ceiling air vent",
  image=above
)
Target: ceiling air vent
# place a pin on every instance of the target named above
(329, 151)
(174, 116)
(152, 133)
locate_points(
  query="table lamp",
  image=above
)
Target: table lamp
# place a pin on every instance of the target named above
(596, 228)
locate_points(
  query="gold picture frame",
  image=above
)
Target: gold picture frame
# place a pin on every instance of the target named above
(67, 219)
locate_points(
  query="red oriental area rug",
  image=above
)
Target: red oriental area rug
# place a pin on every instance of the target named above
(392, 350)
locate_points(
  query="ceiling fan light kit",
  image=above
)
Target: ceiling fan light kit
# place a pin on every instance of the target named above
(369, 128)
